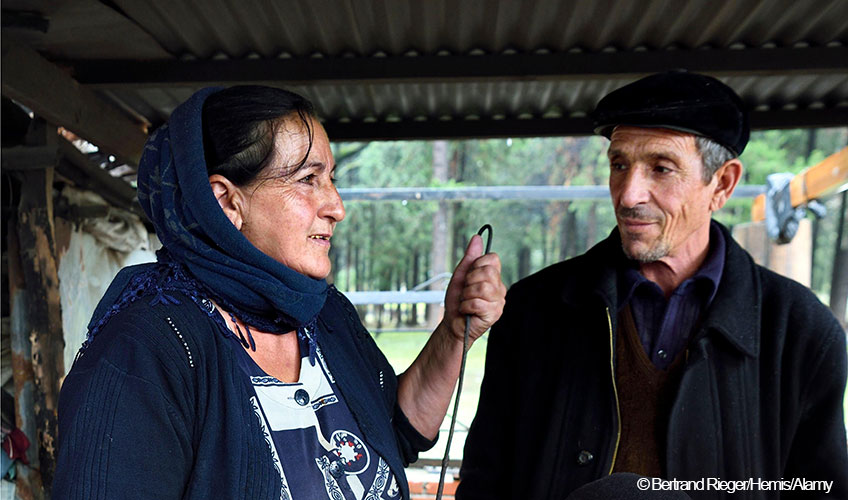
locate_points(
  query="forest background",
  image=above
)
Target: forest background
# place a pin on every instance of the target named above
(396, 245)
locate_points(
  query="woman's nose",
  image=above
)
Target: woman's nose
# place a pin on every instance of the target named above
(333, 206)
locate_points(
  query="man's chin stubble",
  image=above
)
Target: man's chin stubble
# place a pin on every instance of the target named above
(653, 254)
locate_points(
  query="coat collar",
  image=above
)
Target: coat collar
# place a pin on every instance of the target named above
(734, 313)
(736, 309)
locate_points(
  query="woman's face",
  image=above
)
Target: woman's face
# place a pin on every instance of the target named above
(292, 218)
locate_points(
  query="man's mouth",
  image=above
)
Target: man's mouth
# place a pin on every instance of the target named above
(637, 222)
(324, 237)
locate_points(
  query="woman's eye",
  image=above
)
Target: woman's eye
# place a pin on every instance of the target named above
(307, 179)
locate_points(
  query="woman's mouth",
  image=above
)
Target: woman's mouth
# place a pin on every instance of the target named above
(321, 239)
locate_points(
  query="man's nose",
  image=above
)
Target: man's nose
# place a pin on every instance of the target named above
(634, 188)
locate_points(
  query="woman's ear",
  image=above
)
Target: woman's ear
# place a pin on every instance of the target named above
(230, 199)
(728, 176)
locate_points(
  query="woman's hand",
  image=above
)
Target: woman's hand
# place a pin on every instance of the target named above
(475, 290)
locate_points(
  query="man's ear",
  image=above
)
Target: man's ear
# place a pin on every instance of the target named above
(230, 198)
(728, 176)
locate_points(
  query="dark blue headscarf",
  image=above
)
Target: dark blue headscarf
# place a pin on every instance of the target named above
(174, 191)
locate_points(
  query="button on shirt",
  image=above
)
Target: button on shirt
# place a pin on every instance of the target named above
(664, 326)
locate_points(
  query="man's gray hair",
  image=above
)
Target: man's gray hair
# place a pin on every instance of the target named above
(713, 155)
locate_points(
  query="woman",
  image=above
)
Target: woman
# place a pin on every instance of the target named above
(230, 369)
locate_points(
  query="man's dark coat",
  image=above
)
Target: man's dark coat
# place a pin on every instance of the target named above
(760, 395)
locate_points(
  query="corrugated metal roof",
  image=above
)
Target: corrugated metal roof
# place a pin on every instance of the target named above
(302, 28)
(403, 68)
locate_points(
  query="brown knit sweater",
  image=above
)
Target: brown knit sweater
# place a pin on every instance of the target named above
(645, 395)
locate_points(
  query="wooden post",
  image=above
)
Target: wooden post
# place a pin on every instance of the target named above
(40, 271)
(791, 260)
(28, 480)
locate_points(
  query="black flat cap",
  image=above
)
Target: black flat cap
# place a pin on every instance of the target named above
(677, 100)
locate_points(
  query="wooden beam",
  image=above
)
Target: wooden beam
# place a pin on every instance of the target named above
(112, 189)
(829, 176)
(29, 157)
(76, 166)
(459, 128)
(50, 93)
(799, 118)
(564, 193)
(437, 68)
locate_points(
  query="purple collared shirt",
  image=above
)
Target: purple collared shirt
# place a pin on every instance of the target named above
(664, 326)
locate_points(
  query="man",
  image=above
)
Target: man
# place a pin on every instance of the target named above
(664, 350)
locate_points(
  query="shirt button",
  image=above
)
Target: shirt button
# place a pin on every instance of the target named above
(662, 354)
(301, 397)
(584, 457)
(336, 469)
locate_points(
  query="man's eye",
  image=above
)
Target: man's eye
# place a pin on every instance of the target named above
(661, 169)
(617, 166)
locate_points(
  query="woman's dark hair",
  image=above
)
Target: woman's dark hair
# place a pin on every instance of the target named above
(239, 126)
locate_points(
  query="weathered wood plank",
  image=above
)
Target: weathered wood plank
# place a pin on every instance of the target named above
(114, 190)
(75, 165)
(50, 93)
(28, 157)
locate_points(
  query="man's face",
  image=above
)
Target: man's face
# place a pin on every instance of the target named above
(658, 192)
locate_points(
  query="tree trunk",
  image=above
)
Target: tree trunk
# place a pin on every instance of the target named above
(460, 233)
(378, 308)
(573, 237)
(370, 278)
(413, 310)
(839, 282)
(523, 262)
(357, 269)
(592, 225)
(349, 256)
(359, 272)
(592, 216)
(438, 260)
(398, 316)
(334, 265)
(543, 228)
(565, 239)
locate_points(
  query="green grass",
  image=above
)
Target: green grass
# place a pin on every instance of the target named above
(401, 348)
